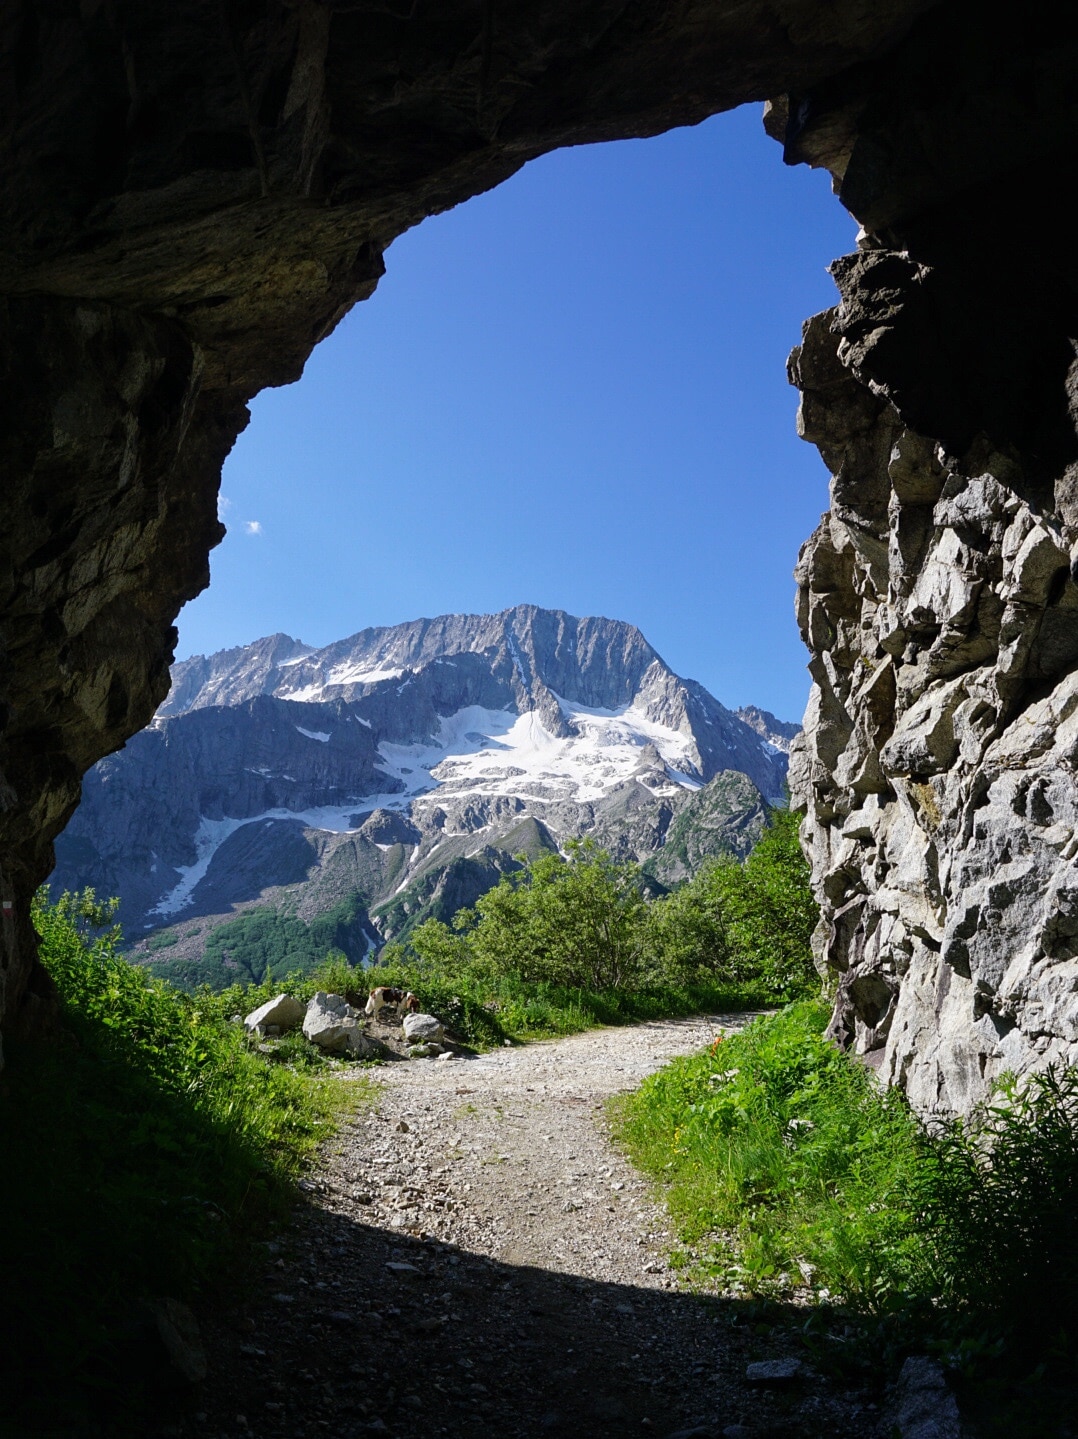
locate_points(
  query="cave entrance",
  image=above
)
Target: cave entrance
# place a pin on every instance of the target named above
(569, 391)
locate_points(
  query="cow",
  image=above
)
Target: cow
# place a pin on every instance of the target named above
(404, 1001)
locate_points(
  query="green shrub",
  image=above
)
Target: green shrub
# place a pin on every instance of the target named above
(741, 922)
(576, 921)
(581, 923)
(141, 1154)
(997, 1199)
(783, 1162)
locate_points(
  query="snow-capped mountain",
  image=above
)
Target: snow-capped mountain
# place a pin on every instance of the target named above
(375, 768)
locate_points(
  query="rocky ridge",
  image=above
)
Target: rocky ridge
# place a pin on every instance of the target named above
(400, 771)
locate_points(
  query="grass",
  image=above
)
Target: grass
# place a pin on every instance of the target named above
(484, 1011)
(141, 1156)
(779, 1152)
(785, 1167)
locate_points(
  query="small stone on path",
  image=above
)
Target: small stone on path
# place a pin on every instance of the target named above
(774, 1371)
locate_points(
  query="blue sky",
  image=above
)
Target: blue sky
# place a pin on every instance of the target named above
(570, 392)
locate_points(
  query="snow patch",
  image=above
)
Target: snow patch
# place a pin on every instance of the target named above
(344, 674)
(209, 837)
(314, 734)
(354, 674)
(498, 752)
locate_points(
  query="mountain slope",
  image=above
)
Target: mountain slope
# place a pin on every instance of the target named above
(397, 772)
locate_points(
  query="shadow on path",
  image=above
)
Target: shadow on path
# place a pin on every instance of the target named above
(416, 1336)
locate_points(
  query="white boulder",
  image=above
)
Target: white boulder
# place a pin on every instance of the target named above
(332, 1024)
(281, 1012)
(423, 1029)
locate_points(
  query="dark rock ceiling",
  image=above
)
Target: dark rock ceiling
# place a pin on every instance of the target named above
(193, 192)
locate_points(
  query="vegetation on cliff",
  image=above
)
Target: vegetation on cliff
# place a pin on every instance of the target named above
(264, 944)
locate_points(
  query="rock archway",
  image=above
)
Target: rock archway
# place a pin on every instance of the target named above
(193, 194)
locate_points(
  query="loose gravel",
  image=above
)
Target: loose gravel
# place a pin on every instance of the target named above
(474, 1257)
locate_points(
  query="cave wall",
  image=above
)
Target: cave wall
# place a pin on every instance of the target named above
(938, 595)
(193, 192)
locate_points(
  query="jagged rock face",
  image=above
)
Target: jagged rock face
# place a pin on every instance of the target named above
(938, 595)
(778, 733)
(525, 660)
(191, 195)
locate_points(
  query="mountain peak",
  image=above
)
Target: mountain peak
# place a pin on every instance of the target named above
(595, 660)
(369, 765)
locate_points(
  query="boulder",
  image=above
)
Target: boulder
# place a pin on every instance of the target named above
(423, 1029)
(923, 1406)
(179, 1333)
(282, 1012)
(332, 1024)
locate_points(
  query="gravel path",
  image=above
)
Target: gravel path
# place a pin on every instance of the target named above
(507, 1155)
(475, 1258)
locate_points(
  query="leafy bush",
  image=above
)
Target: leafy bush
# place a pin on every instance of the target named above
(750, 921)
(140, 1155)
(783, 1162)
(574, 921)
(581, 923)
(997, 1199)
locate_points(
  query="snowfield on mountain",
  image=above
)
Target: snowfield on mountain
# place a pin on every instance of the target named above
(397, 773)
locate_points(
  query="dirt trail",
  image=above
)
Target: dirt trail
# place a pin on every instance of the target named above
(507, 1154)
(477, 1259)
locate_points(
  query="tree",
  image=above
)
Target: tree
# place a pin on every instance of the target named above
(736, 922)
(575, 920)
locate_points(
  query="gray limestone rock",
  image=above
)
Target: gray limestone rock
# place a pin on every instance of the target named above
(279, 1014)
(938, 759)
(332, 1024)
(423, 1029)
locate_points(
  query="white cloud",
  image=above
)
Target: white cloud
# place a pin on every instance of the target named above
(223, 507)
(253, 527)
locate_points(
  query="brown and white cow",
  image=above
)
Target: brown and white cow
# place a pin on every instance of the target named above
(403, 1000)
